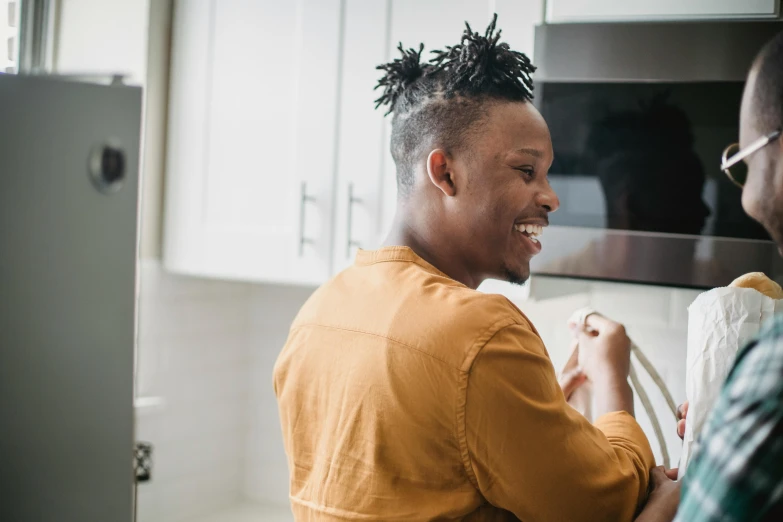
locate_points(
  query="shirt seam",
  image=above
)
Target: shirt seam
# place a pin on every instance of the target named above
(385, 337)
(479, 343)
(462, 400)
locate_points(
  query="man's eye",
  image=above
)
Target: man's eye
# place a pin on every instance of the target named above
(529, 172)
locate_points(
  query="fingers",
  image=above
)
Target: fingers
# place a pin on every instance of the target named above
(573, 359)
(601, 323)
(657, 476)
(596, 324)
(681, 428)
(682, 410)
(578, 329)
(682, 414)
(572, 380)
(660, 475)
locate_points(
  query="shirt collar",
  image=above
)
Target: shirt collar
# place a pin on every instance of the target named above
(395, 253)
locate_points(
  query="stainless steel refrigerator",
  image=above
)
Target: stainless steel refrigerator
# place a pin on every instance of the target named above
(68, 239)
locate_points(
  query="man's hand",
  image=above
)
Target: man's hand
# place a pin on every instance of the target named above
(682, 413)
(664, 496)
(572, 376)
(605, 357)
(604, 347)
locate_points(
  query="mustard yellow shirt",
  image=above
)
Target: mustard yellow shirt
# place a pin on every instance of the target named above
(405, 395)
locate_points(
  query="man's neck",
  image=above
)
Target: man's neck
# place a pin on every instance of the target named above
(432, 249)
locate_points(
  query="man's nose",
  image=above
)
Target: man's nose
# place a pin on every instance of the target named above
(547, 198)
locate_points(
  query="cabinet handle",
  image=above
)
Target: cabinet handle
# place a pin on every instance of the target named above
(305, 198)
(350, 243)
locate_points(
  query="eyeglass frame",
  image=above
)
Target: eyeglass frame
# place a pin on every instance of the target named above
(741, 154)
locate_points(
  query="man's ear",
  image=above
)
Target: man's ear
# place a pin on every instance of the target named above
(439, 170)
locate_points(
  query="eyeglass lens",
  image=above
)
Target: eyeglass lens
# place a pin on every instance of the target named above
(739, 171)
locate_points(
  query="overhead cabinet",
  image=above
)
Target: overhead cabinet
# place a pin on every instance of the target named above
(251, 145)
(613, 10)
(278, 163)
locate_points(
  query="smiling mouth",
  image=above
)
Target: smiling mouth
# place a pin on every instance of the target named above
(532, 232)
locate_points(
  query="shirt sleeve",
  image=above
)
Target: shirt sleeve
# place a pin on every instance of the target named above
(737, 471)
(531, 453)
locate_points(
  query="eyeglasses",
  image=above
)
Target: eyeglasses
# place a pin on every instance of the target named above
(732, 164)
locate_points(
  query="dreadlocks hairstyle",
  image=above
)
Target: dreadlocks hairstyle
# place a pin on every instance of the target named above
(400, 73)
(478, 65)
(443, 102)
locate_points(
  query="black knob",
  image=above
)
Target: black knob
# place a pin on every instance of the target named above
(107, 166)
(112, 165)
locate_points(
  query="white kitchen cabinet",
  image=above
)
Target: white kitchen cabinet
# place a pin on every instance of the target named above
(251, 148)
(362, 137)
(612, 10)
(366, 175)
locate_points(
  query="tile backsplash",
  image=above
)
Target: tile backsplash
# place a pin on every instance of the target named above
(193, 354)
(272, 308)
(207, 349)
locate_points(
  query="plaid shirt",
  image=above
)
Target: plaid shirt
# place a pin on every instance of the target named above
(737, 472)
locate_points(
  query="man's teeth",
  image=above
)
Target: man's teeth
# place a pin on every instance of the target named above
(532, 231)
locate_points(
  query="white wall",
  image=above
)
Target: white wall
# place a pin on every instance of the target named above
(103, 37)
(272, 310)
(193, 353)
(155, 126)
(207, 349)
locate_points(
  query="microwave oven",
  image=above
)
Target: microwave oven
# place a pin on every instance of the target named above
(640, 114)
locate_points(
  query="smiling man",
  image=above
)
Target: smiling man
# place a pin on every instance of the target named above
(406, 394)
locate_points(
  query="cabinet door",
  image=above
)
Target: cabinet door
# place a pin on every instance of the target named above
(362, 136)
(251, 139)
(597, 10)
(366, 189)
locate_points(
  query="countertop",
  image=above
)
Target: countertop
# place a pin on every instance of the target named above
(249, 512)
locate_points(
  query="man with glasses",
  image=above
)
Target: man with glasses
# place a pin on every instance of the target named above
(737, 474)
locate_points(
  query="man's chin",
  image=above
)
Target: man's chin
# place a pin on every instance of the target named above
(516, 277)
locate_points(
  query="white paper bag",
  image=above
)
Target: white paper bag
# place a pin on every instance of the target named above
(720, 322)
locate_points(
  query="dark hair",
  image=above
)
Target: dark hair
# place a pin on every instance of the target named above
(443, 101)
(769, 85)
